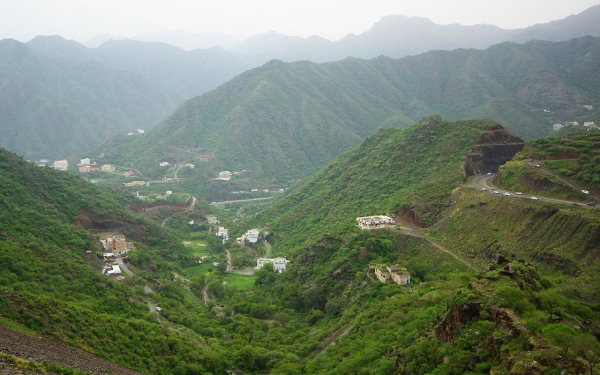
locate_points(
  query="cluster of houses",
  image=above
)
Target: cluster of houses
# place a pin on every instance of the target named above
(587, 124)
(375, 222)
(279, 264)
(390, 274)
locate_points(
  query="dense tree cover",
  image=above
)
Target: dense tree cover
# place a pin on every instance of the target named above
(327, 313)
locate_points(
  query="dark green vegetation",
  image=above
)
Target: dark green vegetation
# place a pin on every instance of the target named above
(283, 121)
(533, 310)
(52, 107)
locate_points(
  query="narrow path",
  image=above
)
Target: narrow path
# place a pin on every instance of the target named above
(191, 207)
(124, 267)
(267, 249)
(241, 200)
(228, 255)
(177, 170)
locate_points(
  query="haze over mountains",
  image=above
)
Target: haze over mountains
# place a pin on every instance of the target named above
(169, 75)
(286, 120)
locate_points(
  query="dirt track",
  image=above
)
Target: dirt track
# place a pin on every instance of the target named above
(45, 348)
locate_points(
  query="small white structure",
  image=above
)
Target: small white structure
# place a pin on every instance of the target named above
(191, 222)
(224, 233)
(85, 161)
(212, 219)
(254, 190)
(557, 127)
(140, 131)
(112, 270)
(61, 165)
(375, 222)
(279, 264)
(163, 164)
(225, 176)
(169, 192)
(589, 123)
(251, 236)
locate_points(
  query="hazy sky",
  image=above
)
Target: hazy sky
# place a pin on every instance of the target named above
(331, 19)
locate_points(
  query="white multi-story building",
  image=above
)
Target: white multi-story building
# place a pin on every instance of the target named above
(61, 165)
(279, 264)
(251, 236)
(223, 233)
(85, 161)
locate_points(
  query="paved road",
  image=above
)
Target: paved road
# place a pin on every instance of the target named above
(572, 184)
(124, 267)
(481, 182)
(241, 200)
(267, 249)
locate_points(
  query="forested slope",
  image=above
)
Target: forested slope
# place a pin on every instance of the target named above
(282, 121)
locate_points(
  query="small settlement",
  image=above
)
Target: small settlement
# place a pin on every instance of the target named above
(390, 274)
(375, 222)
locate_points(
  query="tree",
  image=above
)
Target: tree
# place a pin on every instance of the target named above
(588, 349)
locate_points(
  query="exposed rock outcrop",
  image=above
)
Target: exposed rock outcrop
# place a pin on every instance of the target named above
(492, 148)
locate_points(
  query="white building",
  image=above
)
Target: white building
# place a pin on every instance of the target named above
(251, 236)
(224, 233)
(212, 219)
(279, 264)
(589, 123)
(85, 161)
(61, 165)
(225, 176)
(112, 270)
(140, 131)
(557, 127)
(163, 164)
(375, 222)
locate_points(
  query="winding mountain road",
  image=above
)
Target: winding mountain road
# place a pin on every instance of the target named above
(482, 182)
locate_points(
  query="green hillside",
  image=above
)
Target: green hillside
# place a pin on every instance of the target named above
(469, 310)
(284, 121)
(51, 280)
(466, 310)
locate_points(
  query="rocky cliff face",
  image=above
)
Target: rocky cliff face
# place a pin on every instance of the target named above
(493, 148)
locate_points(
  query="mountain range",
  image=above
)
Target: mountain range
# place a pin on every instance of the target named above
(38, 112)
(286, 120)
(51, 108)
